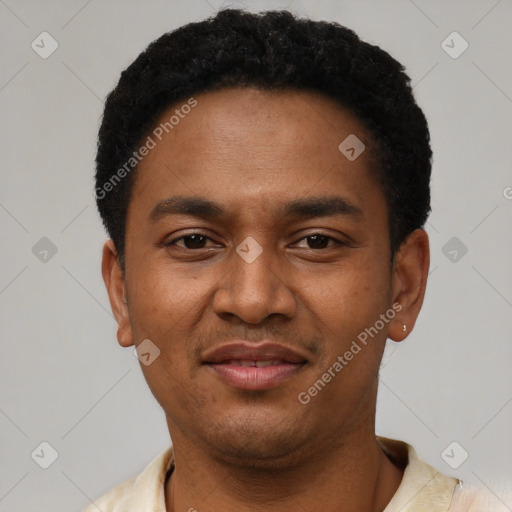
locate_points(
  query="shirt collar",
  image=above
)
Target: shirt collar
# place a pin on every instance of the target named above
(422, 486)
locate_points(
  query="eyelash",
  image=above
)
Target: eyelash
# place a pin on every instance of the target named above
(336, 241)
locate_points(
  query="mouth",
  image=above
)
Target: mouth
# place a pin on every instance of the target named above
(254, 367)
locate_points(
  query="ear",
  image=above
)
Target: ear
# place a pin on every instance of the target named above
(410, 272)
(114, 282)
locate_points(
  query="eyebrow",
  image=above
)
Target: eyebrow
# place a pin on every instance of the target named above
(303, 208)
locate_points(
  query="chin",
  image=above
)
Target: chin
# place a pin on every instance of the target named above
(256, 442)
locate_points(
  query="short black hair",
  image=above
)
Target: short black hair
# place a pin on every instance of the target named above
(270, 50)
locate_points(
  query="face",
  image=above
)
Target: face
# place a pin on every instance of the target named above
(251, 237)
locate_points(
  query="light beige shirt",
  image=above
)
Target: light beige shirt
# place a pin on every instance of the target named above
(423, 488)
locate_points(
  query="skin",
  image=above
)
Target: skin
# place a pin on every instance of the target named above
(252, 151)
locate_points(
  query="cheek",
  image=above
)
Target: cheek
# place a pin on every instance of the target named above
(346, 311)
(166, 311)
(164, 299)
(344, 305)
(355, 292)
(169, 379)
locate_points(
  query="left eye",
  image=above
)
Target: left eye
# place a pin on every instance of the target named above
(193, 241)
(318, 241)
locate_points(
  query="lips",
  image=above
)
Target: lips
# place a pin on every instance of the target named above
(247, 366)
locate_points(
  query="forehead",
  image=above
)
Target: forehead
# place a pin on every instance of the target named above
(247, 146)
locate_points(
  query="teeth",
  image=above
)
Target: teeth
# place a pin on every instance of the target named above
(241, 362)
(261, 364)
(257, 364)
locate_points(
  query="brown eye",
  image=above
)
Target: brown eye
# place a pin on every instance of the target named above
(318, 241)
(193, 241)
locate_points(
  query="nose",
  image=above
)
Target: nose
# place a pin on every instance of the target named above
(254, 290)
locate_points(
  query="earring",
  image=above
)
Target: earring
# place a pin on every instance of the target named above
(125, 301)
(404, 328)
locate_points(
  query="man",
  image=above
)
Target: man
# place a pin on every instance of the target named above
(265, 182)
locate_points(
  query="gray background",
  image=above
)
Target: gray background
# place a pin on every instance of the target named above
(64, 378)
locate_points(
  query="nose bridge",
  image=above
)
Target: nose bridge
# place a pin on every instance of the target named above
(253, 271)
(253, 289)
(255, 260)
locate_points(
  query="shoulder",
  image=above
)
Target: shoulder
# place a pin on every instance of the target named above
(143, 492)
(469, 498)
(111, 501)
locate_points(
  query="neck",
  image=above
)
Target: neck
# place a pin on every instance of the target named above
(353, 474)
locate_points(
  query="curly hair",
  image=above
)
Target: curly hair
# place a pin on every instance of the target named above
(270, 50)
